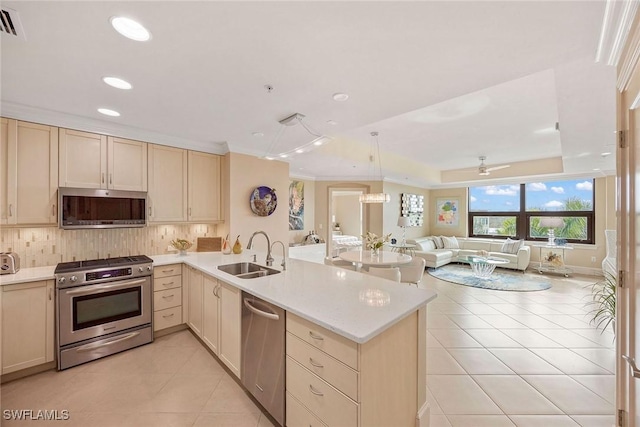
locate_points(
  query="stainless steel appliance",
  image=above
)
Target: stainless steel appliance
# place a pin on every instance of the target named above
(104, 306)
(9, 263)
(89, 208)
(263, 354)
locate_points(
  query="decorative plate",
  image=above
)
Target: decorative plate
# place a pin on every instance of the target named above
(263, 201)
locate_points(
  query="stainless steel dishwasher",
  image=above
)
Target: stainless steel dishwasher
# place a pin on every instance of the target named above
(263, 354)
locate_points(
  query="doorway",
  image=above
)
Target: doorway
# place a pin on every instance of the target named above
(346, 218)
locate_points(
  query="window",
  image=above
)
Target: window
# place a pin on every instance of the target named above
(530, 210)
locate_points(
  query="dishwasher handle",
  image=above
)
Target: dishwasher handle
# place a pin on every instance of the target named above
(269, 315)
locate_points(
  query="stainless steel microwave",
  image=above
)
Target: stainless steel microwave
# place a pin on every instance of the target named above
(91, 208)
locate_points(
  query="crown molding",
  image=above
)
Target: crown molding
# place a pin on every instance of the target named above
(86, 124)
(616, 23)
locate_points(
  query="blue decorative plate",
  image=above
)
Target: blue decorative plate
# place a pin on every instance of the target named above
(263, 201)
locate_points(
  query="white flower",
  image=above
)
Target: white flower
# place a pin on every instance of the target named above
(372, 241)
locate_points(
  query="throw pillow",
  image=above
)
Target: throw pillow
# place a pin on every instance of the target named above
(450, 242)
(437, 240)
(511, 246)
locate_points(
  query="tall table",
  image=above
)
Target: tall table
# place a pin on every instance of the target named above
(383, 259)
(558, 267)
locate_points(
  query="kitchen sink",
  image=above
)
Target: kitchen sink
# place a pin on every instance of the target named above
(247, 270)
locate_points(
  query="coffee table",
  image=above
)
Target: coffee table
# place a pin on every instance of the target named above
(483, 266)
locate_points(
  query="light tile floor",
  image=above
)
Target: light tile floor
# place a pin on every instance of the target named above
(495, 359)
(524, 359)
(173, 382)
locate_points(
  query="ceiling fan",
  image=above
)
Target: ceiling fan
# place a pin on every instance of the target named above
(483, 170)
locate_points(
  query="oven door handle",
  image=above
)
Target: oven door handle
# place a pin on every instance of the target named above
(93, 346)
(97, 289)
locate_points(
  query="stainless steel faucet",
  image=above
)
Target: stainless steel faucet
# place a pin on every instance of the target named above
(269, 260)
(284, 264)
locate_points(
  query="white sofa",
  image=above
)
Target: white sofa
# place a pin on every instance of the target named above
(425, 248)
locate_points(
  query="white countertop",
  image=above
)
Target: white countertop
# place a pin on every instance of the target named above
(351, 304)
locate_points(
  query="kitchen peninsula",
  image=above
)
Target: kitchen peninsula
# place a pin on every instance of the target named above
(373, 333)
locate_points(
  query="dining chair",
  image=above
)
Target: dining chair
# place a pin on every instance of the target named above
(413, 271)
(337, 262)
(392, 273)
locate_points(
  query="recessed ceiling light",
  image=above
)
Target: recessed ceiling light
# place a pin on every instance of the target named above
(284, 156)
(257, 134)
(108, 112)
(117, 83)
(605, 154)
(300, 151)
(319, 142)
(340, 97)
(268, 158)
(596, 169)
(332, 122)
(130, 28)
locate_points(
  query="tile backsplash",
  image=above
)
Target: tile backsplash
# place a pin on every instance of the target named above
(43, 246)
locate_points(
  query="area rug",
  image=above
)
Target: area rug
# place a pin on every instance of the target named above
(500, 280)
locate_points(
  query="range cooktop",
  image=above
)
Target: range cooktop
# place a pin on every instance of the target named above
(66, 267)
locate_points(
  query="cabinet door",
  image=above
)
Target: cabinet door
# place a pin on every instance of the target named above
(204, 187)
(230, 326)
(27, 325)
(195, 301)
(210, 315)
(83, 159)
(7, 171)
(36, 174)
(127, 164)
(167, 195)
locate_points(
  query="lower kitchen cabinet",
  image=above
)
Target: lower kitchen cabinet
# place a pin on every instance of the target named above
(167, 296)
(27, 325)
(215, 316)
(336, 381)
(195, 301)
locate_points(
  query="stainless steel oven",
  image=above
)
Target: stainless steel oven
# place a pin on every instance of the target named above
(103, 307)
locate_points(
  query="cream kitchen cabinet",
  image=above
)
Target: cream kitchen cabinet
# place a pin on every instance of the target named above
(194, 316)
(29, 163)
(167, 197)
(167, 296)
(339, 382)
(89, 160)
(204, 187)
(230, 310)
(27, 325)
(211, 314)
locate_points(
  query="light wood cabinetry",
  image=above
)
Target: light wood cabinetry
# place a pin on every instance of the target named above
(167, 296)
(89, 160)
(29, 170)
(27, 325)
(195, 301)
(203, 187)
(211, 313)
(230, 326)
(167, 195)
(336, 381)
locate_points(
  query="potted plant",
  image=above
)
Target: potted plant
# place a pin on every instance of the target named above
(603, 302)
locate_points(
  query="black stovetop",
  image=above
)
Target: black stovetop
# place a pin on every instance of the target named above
(65, 267)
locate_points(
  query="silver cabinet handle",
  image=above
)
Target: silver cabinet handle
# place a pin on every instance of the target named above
(218, 291)
(316, 364)
(110, 178)
(53, 210)
(10, 209)
(94, 346)
(315, 336)
(168, 271)
(167, 284)
(168, 296)
(50, 294)
(103, 177)
(166, 316)
(249, 305)
(214, 291)
(632, 364)
(150, 212)
(314, 391)
(189, 211)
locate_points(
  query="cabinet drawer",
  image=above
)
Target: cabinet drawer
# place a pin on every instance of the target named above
(166, 318)
(326, 367)
(337, 346)
(328, 404)
(168, 282)
(167, 270)
(167, 299)
(299, 416)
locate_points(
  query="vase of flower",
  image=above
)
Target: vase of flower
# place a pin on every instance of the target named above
(375, 252)
(374, 242)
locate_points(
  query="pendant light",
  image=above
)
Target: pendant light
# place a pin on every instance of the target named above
(375, 197)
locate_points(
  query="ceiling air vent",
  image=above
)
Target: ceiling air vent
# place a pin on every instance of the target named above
(10, 23)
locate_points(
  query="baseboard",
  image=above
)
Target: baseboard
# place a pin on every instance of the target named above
(585, 271)
(169, 330)
(12, 376)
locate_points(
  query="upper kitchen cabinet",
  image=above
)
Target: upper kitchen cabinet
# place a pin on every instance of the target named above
(167, 197)
(29, 162)
(89, 160)
(204, 187)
